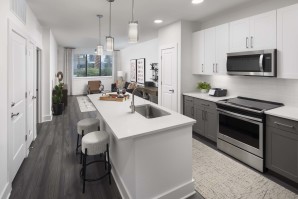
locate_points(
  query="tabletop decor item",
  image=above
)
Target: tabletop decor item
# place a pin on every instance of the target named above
(114, 97)
(204, 87)
(57, 97)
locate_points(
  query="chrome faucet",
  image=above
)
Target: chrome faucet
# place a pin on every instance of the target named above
(132, 106)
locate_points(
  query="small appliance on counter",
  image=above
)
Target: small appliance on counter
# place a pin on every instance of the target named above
(218, 92)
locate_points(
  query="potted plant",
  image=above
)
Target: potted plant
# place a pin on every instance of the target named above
(204, 87)
(58, 106)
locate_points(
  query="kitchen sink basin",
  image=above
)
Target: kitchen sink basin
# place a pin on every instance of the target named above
(150, 112)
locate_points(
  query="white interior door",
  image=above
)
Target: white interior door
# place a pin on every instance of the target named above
(169, 81)
(17, 100)
(30, 95)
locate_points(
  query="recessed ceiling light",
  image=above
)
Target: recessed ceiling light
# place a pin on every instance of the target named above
(197, 1)
(158, 21)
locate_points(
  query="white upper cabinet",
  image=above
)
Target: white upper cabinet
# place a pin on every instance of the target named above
(222, 48)
(254, 33)
(287, 42)
(210, 48)
(210, 57)
(239, 35)
(198, 50)
(263, 31)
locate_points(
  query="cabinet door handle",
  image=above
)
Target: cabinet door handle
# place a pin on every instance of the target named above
(247, 42)
(205, 104)
(202, 68)
(206, 115)
(251, 42)
(216, 68)
(213, 68)
(14, 115)
(285, 125)
(13, 104)
(203, 115)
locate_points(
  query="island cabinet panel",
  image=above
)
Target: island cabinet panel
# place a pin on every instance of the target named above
(282, 147)
(206, 116)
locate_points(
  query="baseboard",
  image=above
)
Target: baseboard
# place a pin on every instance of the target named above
(183, 191)
(47, 118)
(119, 182)
(6, 191)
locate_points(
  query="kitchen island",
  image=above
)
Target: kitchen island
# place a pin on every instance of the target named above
(151, 158)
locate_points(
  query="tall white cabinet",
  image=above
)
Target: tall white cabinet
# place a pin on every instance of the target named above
(198, 50)
(210, 48)
(287, 42)
(253, 33)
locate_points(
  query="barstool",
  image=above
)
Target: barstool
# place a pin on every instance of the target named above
(96, 143)
(86, 126)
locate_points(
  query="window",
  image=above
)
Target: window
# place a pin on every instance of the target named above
(87, 65)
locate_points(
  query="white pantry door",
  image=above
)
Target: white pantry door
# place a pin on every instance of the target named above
(169, 78)
(17, 100)
(30, 95)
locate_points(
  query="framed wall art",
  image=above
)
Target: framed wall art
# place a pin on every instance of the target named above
(141, 69)
(133, 70)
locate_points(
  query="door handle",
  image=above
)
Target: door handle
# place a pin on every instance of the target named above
(172, 90)
(202, 68)
(14, 115)
(13, 104)
(247, 42)
(284, 125)
(214, 71)
(216, 68)
(33, 97)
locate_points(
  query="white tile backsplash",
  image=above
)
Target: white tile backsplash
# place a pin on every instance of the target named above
(265, 88)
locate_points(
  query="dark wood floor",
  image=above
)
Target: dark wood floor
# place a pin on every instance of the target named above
(52, 169)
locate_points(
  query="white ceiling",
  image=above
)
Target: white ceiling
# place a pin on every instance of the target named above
(74, 22)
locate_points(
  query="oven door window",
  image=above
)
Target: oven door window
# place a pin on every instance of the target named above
(240, 130)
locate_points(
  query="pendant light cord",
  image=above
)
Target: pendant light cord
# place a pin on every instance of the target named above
(110, 19)
(132, 10)
(99, 32)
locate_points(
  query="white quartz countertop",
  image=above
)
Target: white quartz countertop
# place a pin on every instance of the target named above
(205, 96)
(286, 112)
(125, 125)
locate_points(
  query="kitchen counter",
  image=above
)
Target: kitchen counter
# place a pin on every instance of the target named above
(286, 112)
(151, 158)
(205, 96)
(127, 125)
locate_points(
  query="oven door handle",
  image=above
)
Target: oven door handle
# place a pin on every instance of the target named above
(240, 116)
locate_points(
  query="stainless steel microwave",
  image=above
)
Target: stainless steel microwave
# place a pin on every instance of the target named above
(253, 63)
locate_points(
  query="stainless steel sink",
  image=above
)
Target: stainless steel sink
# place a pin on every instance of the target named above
(150, 112)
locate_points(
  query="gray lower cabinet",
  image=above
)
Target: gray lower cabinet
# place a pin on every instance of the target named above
(204, 112)
(282, 147)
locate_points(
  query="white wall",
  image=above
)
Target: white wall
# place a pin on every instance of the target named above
(34, 33)
(147, 50)
(79, 84)
(272, 89)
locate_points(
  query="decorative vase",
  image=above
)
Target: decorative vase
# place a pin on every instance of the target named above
(204, 90)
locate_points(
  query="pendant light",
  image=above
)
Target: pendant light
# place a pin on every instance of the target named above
(133, 32)
(110, 39)
(99, 49)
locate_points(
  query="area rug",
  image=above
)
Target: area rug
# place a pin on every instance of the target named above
(220, 177)
(85, 104)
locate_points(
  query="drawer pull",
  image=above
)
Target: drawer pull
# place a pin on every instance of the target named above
(205, 104)
(285, 125)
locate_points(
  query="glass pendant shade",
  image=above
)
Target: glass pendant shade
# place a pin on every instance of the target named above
(99, 50)
(133, 32)
(110, 43)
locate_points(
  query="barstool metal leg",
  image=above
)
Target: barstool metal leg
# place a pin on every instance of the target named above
(84, 170)
(81, 150)
(109, 165)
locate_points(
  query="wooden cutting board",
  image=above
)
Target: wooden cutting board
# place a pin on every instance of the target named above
(114, 97)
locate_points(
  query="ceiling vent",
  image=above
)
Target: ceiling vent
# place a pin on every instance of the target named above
(18, 7)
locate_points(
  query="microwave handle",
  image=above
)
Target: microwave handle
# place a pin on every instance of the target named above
(261, 63)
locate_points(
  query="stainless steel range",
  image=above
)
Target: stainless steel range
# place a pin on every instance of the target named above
(241, 129)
